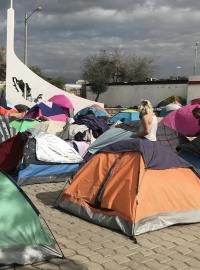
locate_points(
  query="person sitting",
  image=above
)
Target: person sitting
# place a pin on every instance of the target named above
(148, 123)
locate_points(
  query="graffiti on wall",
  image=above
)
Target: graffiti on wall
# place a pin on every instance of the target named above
(22, 87)
(25, 90)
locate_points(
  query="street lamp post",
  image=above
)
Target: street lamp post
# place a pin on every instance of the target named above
(27, 17)
(178, 71)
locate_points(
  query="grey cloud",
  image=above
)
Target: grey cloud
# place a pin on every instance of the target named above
(65, 32)
(192, 4)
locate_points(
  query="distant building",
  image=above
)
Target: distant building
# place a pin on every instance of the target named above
(81, 82)
(73, 88)
(77, 88)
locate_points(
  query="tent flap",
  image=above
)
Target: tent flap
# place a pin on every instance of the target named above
(23, 237)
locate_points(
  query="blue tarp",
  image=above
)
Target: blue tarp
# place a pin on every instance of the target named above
(34, 173)
(112, 135)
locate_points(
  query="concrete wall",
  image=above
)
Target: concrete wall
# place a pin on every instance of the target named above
(130, 95)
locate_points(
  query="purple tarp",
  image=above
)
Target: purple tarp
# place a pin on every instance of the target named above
(156, 156)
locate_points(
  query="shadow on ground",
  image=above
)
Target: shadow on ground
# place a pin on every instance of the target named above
(49, 198)
(54, 264)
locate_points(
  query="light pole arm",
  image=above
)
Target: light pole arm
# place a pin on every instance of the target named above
(28, 17)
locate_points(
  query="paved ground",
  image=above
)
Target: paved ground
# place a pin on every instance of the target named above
(89, 247)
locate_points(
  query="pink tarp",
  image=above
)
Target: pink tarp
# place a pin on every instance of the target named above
(183, 121)
(59, 117)
(62, 101)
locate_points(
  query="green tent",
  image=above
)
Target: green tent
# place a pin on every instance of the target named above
(24, 237)
(23, 124)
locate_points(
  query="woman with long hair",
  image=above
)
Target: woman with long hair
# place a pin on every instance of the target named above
(148, 122)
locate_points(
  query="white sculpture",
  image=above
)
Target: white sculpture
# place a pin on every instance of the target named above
(20, 79)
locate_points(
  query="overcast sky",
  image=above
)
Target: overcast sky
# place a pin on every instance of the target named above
(66, 31)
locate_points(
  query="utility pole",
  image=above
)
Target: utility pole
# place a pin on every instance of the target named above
(2, 22)
(26, 19)
(195, 57)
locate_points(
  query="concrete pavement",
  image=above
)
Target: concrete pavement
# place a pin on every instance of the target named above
(90, 247)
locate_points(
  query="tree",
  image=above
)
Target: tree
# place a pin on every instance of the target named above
(37, 71)
(57, 81)
(130, 67)
(139, 68)
(114, 66)
(97, 71)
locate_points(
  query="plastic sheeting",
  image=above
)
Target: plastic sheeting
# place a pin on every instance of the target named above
(51, 148)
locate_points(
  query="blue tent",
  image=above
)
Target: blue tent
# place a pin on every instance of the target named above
(94, 110)
(164, 112)
(33, 171)
(125, 116)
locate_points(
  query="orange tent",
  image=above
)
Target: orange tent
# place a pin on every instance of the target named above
(121, 191)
